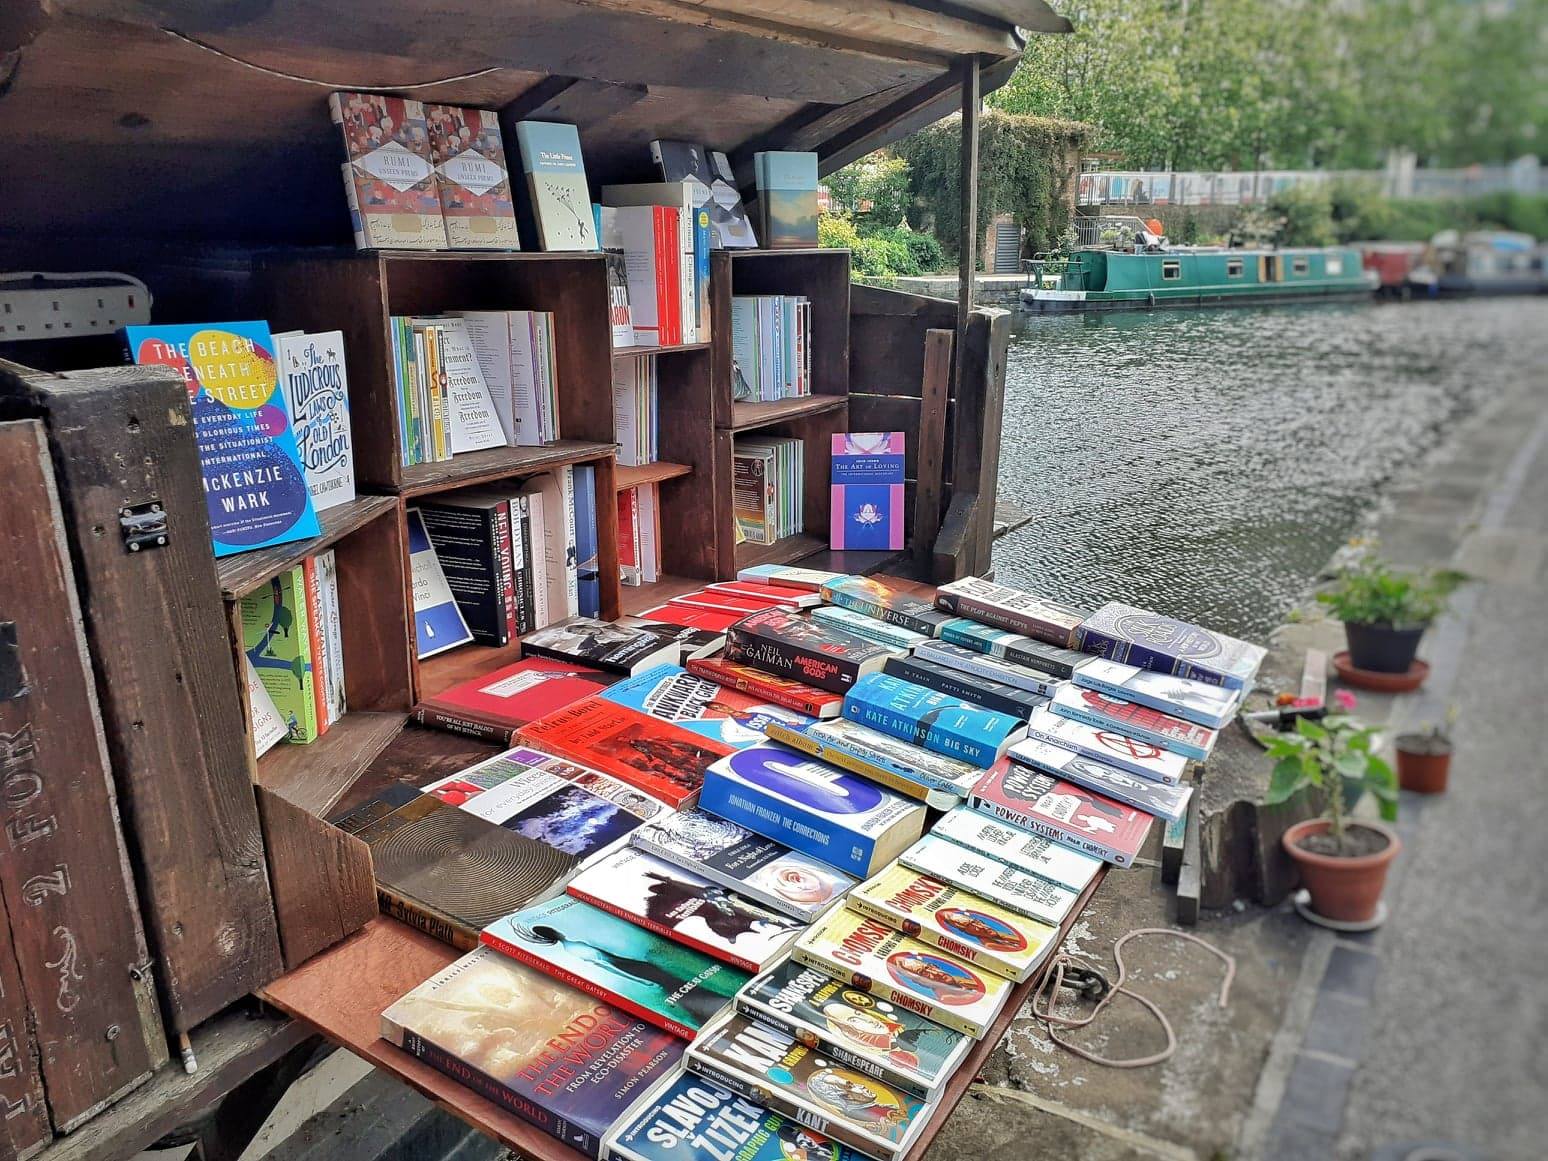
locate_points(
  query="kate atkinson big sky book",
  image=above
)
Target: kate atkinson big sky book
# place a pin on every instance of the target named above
(866, 486)
(255, 488)
(552, 1055)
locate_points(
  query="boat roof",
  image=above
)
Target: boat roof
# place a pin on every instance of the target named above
(208, 118)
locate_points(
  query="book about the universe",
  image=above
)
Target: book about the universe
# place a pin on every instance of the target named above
(870, 596)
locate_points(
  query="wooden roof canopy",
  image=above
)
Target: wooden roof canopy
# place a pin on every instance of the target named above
(207, 119)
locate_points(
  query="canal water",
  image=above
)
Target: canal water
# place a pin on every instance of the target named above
(1208, 463)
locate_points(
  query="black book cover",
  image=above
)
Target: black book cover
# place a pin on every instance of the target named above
(981, 691)
(521, 563)
(466, 538)
(792, 646)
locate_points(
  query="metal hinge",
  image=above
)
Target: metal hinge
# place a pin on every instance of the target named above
(143, 526)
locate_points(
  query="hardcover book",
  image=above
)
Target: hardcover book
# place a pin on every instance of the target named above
(715, 621)
(602, 645)
(879, 1039)
(1062, 811)
(820, 810)
(1014, 648)
(311, 369)
(889, 636)
(787, 198)
(1032, 853)
(691, 1118)
(967, 925)
(255, 487)
(926, 718)
(556, 211)
(787, 576)
(496, 705)
(659, 758)
(771, 1067)
(982, 665)
(715, 189)
(700, 706)
(686, 908)
(1132, 755)
(1207, 705)
(866, 491)
(867, 595)
(1096, 708)
(622, 964)
(1006, 608)
(1157, 798)
(475, 184)
(544, 1051)
(979, 691)
(1151, 641)
(389, 176)
(873, 957)
(909, 769)
(791, 598)
(276, 636)
(804, 650)
(438, 623)
(990, 879)
(765, 871)
(804, 699)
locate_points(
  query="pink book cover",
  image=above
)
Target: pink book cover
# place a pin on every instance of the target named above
(867, 491)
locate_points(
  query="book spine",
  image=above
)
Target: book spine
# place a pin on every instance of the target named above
(663, 930)
(770, 1018)
(1002, 698)
(566, 477)
(883, 990)
(703, 241)
(977, 748)
(1011, 620)
(874, 767)
(801, 830)
(521, 563)
(466, 542)
(314, 635)
(333, 638)
(612, 999)
(776, 694)
(1039, 826)
(422, 917)
(926, 934)
(505, 568)
(668, 324)
(1035, 683)
(844, 599)
(882, 633)
(1183, 712)
(1100, 721)
(439, 719)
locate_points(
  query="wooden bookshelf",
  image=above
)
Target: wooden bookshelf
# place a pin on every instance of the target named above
(498, 463)
(240, 575)
(747, 416)
(675, 349)
(637, 598)
(783, 551)
(625, 476)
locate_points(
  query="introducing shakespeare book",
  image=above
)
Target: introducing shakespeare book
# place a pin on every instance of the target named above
(1012, 609)
(876, 1037)
(701, 706)
(934, 778)
(620, 649)
(870, 596)
(789, 645)
(1034, 853)
(1194, 701)
(892, 966)
(782, 691)
(552, 1055)
(624, 965)
(1163, 644)
(494, 706)
(925, 717)
(1105, 712)
(1112, 746)
(1162, 799)
(1062, 811)
(989, 878)
(1016, 648)
(760, 868)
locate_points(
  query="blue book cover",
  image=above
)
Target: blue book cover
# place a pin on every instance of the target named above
(557, 205)
(933, 720)
(254, 487)
(1163, 644)
(703, 242)
(588, 578)
(787, 198)
(874, 754)
(867, 490)
(438, 623)
(672, 694)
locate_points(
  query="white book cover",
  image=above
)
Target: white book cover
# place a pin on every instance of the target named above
(471, 420)
(558, 525)
(1157, 798)
(1212, 706)
(1019, 848)
(1146, 759)
(626, 411)
(544, 388)
(438, 622)
(268, 726)
(317, 394)
(332, 635)
(636, 227)
(988, 878)
(649, 497)
(537, 540)
(679, 196)
(489, 332)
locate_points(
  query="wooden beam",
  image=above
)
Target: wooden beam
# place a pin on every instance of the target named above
(573, 101)
(967, 249)
(935, 387)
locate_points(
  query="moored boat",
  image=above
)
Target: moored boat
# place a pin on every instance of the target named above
(1394, 264)
(1481, 262)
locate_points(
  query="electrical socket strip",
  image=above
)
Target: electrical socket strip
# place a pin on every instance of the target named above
(36, 305)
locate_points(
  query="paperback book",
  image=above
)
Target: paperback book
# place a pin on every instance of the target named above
(866, 486)
(700, 706)
(268, 727)
(878, 1038)
(604, 645)
(937, 779)
(1131, 755)
(790, 598)
(820, 810)
(781, 691)
(804, 650)
(277, 638)
(932, 720)
(715, 189)
(983, 665)
(1158, 798)
(979, 691)
(691, 641)
(787, 576)
(389, 175)
(867, 595)
(1032, 853)
(1211, 706)
(620, 963)
(471, 535)
(1014, 648)
(1011, 609)
(470, 169)
(1162, 644)
(969, 926)
(732, 856)
(1098, 709)
(556, 211)
(715, 621)
(773, 1068)
(988, 878)
(492, 708)
(548, 1053)
(438, 623)
(311, 369)
(685, 908)
(889, 636)
(1062, 811)
(787, 198)
(899, 969)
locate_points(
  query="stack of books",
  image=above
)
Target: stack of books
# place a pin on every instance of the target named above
(516, 353)
(768, 488)
(635, 410)
(771, 350)
(665, 241)
(293, 642)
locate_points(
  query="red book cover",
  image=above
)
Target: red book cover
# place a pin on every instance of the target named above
(629, 536)
(715, 620)
(314, 630)
(669, 307)
(1062, 811)
(767, 594)
(817, 703)
(665, 761)
(1152, 723)
(721, 602)
(493, 707)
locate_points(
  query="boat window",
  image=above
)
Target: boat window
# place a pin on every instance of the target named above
(1233, 267)
(1171, 269)
(1334, 265)
(1300, 265)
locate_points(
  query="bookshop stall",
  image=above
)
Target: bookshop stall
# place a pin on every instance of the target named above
(508, 600)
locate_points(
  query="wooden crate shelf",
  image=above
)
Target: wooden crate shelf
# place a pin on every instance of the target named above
(315, 776)
(747, 416)
(640, 597)
(498, 463)
(782, 551)
(463, 663)
(240, 575)
(625, 476)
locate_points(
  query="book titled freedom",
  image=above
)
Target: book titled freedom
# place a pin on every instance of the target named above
(1012, 609)
(1157, 798)
(1098, 709)
(1151, 641)
(866, 486)
(934, 778)
(1132, 755)
(988, 878)
(1207, 705)
(1033, 853)
(1062, 811)
(933, 720)
(868, 595)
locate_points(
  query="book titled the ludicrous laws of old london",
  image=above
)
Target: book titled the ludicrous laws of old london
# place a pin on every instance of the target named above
(700, 706)
(987, 667)
(1162, 644)
(1132, 755)
(870, 596)
(979, 691)
(1011, 609)
(1193, 701)
(924, 717)
(873, 957)
(1062, 811)
(1016, 648)
(691, 1118)
(806, 699)
(969, 926)
(1035, 853)
(624, 965)
(987, 877)
(894, 763)
(803, 650)
(833, 815)
(775, 1069)
(552, 1055)
(1162, 799)
(1105, 712)
(876, 1037)
(760, 868)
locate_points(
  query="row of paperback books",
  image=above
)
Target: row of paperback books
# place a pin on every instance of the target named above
(768, 488)
(293, 642)
(636, 410)
(639, 535)
(665, 244)
(771, 350)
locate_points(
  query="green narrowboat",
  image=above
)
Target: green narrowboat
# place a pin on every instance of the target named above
(1099, 279)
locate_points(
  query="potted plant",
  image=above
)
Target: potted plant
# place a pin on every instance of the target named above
(1385, 612)
(1343, 862)
(1424, 760)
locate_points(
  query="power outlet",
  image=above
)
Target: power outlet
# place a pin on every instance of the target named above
(59, 306)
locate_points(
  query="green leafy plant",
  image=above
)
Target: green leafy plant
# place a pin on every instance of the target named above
(1371, 592)
(1335, 755)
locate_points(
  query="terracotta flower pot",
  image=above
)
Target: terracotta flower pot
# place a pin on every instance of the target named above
(1342, 888)
(1423, 763)
(1382, 648)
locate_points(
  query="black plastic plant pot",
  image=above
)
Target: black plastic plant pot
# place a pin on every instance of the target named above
(1382, 648)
